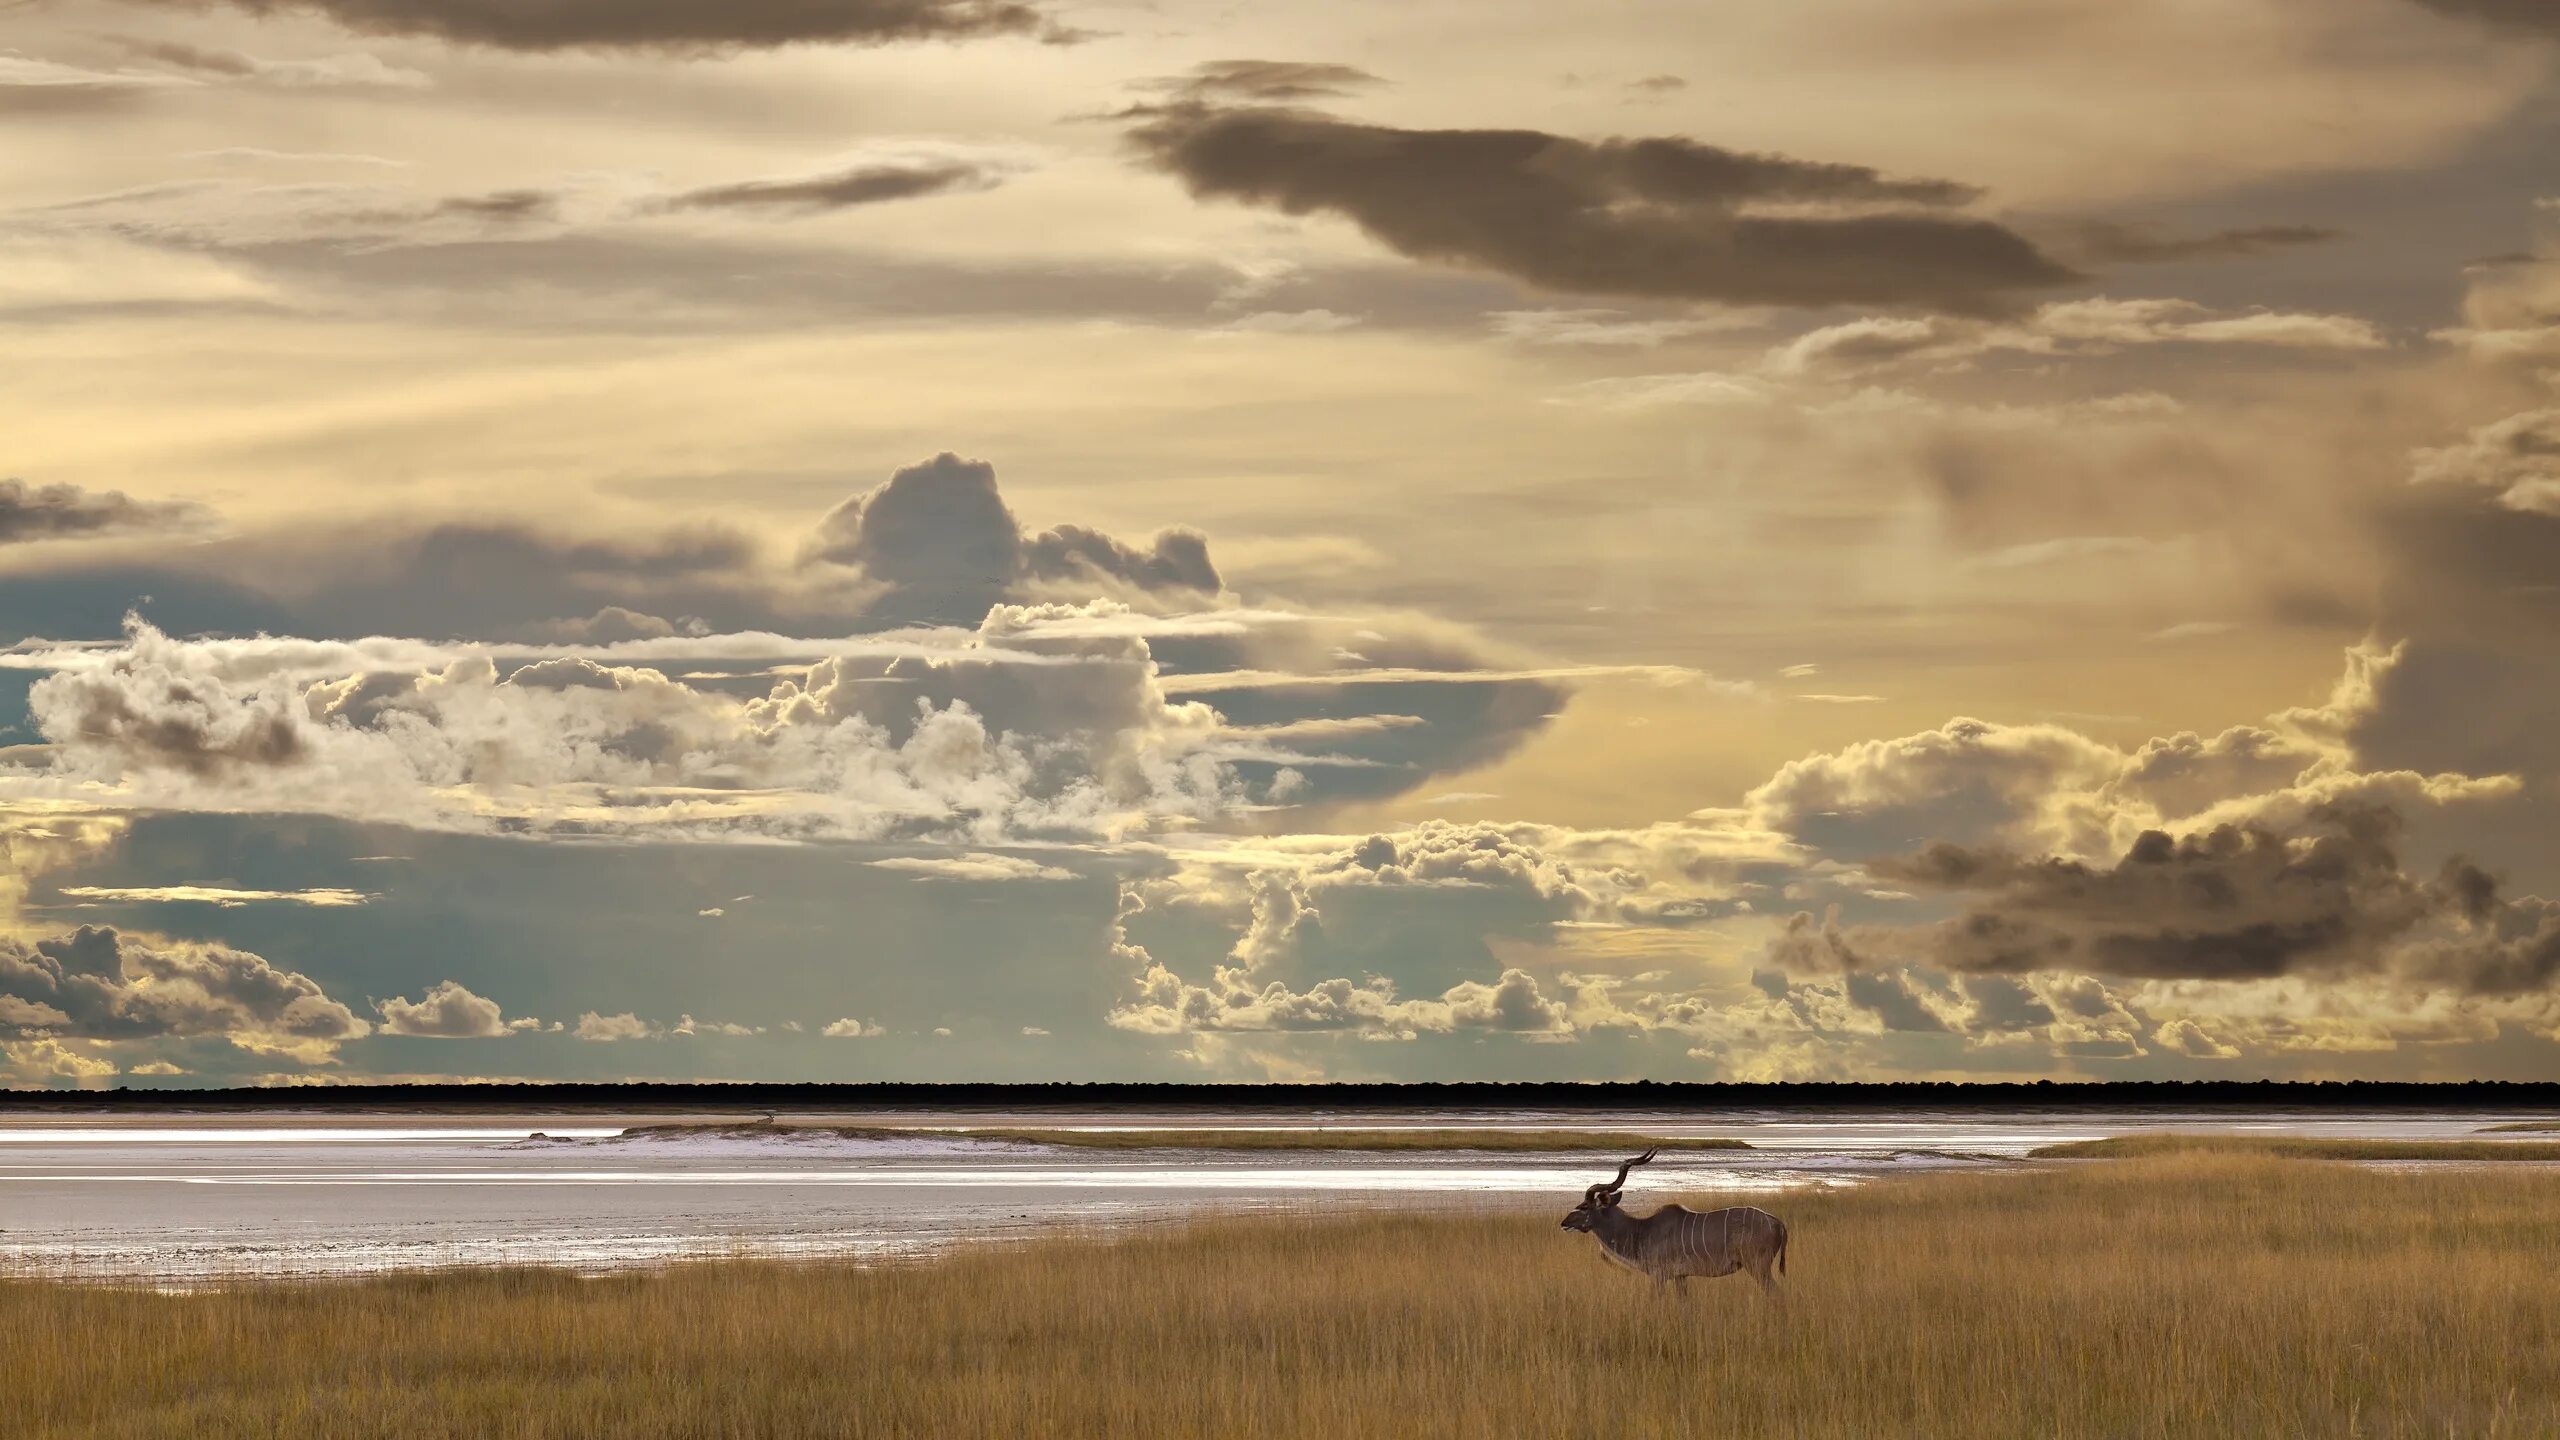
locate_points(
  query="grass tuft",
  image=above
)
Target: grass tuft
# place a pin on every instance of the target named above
(2296, 1147)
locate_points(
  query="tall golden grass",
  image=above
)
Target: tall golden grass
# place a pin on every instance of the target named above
(2298, 1147)
(2193, 1295)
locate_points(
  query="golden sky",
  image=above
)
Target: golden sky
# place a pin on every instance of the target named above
(820, 538)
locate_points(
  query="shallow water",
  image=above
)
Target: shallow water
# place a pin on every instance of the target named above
(176, 1199)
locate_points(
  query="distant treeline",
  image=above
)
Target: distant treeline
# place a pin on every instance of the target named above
(1638, 1095)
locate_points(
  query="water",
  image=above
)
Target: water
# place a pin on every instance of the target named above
(175, 1199)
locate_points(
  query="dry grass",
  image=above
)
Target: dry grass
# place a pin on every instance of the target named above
(2522, 1127)
(2194, 1295)
(2297, 1147)
(1307, 1138)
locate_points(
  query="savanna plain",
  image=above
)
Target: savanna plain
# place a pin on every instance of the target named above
(2180, 1291)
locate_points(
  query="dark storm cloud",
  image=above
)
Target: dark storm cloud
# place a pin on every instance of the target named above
(1264, 82)
(95, 984)
(1177, 559)
(869, 184)
(668, 25)
(2533, 16)
(58, 512)
(1891, 998)
(2230, 903)
(2101, 242)
(1663, 217)
(944, 541)
(2470, 607)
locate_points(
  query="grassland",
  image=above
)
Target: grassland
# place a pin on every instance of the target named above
(2297, 1147)
(2194, 1294)
(1309, 1138)
(2522, 1127)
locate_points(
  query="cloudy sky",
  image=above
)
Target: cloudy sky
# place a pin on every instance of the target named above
(1061, 539)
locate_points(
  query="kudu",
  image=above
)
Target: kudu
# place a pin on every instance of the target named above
(1674, 1242)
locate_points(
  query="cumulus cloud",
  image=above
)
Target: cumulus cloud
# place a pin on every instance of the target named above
(97, 983)
(1165, 1005)
(62, 512)
(2232, 903)
(1086, 742)
(1665, 217)
(1969, 779)
(609, 1028)
(948, 547)
(2517, 458)
(446, 1011)
(1044, 722)
(1398, 898)
(666, 25)
(850, 1028)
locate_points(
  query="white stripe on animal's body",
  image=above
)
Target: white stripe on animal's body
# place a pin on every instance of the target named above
(1676, 1243)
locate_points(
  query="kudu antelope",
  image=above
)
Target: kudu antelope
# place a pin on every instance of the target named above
(1675, 1242)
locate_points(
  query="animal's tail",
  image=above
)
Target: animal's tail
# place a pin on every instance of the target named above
(1782, 1247)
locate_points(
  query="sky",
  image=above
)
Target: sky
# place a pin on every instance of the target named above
(1047, 540)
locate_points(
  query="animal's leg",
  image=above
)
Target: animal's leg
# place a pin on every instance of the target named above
(1769, 1285)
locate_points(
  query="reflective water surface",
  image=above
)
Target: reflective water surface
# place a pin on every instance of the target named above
(182, 1199)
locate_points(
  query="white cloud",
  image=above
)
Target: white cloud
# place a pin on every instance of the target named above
(971, 866)
(1607, 328)
(625, 1026)
(323, 897)
(2094, 326)
(2519, 457)
(449, 1011)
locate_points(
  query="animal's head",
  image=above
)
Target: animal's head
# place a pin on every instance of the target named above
(1603, 1196)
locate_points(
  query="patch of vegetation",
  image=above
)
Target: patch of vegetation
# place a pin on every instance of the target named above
(2187, 1294)
(2296, 1147)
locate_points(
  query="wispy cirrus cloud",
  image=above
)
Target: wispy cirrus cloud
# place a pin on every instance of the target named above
(675, 26)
